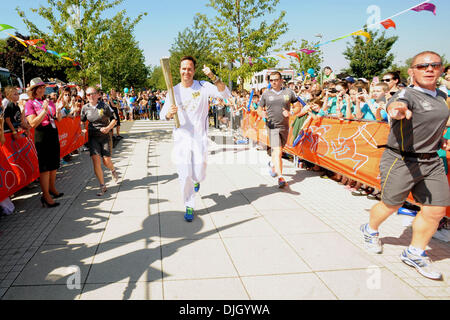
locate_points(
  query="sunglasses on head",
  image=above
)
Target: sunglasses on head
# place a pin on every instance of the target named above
(424, 66)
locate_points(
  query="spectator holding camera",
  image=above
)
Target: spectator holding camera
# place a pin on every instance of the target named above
(13, 117)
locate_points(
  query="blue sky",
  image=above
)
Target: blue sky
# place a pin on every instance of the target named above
(156, 33)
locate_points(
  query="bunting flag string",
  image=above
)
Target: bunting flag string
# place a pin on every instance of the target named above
(34, 43)
(386, 23)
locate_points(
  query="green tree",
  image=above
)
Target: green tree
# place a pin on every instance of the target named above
(239, 31)
(123, 63)
(196, 42)
(77, 28)
(370, 58)
(155, 78)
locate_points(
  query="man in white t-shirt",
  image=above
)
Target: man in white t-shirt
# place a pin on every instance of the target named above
(190, 150)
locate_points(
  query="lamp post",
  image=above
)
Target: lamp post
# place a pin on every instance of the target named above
(23, 74)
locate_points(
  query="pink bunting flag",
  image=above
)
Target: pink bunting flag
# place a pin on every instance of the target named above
(42, 48)
(307, 51)
(250, 61)
(425, 6)
(388, 24)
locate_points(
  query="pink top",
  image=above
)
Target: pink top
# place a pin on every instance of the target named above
(35, 107)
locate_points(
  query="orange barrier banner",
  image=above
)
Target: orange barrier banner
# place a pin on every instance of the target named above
(343, 146)
(70, 136)
(18, 158)
(18, 164)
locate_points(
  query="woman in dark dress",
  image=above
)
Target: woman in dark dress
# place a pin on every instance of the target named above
(41, 115)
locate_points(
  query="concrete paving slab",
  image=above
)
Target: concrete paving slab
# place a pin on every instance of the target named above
(123, 291)
(334, 253)
(247, 224)
(368, 284)
(130, 229)
(196, 259)
(174, 227)
(213, 289)
(55, 264)
(264, 255)
(42, 292)
(83, 230)
(303, 286)
(295, 221)
(126, 262)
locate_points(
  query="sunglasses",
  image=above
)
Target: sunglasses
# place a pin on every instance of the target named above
(272, 80)
(424, 66)
(387, 80)
(90, 94)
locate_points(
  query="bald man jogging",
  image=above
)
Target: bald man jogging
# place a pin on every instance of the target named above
(410, 162)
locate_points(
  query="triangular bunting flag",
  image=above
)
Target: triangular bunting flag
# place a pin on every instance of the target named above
(294, 54)
(425, 6)
(5, 27)
(307, 51)
(33, 42)
(362, 33)
(388, 24)
(18, 39)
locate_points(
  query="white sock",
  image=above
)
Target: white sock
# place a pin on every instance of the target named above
(415, 250)
(370, 230)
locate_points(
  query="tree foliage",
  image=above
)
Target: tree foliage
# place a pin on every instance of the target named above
(196, 42)
(369, 59)
(307, 61)
(84, 37)
(239, 31)
(123, 63)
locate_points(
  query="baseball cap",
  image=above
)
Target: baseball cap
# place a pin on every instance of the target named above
(350, 79)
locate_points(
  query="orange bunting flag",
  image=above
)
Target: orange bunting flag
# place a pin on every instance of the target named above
(294, 54)
(281, 56)
(388, 24)
(362, 33)
(33, 42)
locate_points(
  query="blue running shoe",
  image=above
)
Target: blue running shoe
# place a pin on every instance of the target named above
(189, 215)
(371, 240)
(422, 264)
(272, 170)
(196, 186)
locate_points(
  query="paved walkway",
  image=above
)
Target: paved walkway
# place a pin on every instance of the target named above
(250, 240)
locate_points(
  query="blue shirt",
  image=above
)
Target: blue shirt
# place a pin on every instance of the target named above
(367, 113)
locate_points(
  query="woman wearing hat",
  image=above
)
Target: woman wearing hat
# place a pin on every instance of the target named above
(41, 115)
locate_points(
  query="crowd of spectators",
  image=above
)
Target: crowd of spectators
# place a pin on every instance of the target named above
(339, 96)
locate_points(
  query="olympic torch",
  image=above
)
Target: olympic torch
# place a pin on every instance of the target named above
(165, 66)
